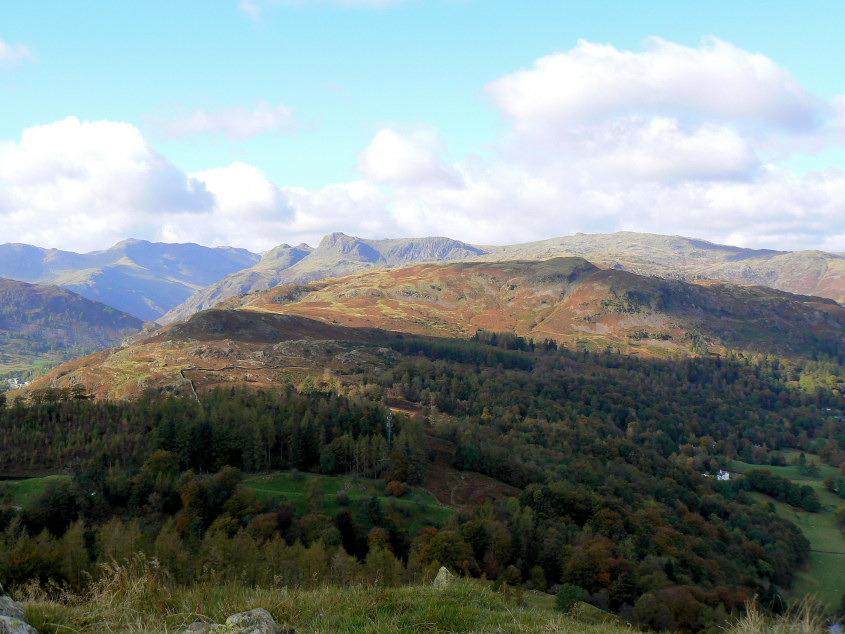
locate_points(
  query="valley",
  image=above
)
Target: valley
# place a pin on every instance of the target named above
(543, 425)
(43, 326)
(426, 316)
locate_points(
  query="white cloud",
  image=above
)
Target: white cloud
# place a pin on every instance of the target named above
(13, 54)
(407, 159)
(665, 140)
(83, 185)
(601, 140)
(717, 81)
(659, 148)
(82, 182)
(249, 210)
(250, 8)
(243, 191)
(235, 123)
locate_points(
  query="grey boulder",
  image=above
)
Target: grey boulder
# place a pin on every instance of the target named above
(9, 607)
(444, 577)
(257, 621)
(14, 625)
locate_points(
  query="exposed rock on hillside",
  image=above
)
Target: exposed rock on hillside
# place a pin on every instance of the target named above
(670, 257)
(257, 621)
(12, 617)
(336, 255)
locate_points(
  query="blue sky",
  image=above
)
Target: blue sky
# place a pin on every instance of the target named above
(257, 122)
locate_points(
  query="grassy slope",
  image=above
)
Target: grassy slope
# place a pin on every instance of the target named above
(25, 491)
(14, 364)
(43, 326)
(566, 299)
(142, 605)
(823, 575)
(416, 504)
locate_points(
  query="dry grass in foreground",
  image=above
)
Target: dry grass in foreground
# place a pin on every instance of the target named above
(137, 598)
(806, 618)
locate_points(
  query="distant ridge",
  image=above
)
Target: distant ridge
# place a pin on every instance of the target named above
(671, 257)
(145, 279)
(337, 254)
(169, 282)
(803, 272)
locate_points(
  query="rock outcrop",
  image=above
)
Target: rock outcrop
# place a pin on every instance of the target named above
(444, 577)
(12, 617)
(256, 621)
(337, 254)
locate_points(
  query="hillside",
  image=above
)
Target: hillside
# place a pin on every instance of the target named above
(268, 337)
(670, 257)
(336, 255)
(463, 606)
(606, 454)
(801, 272)
(265, 274)
(141, 278)
(571, 301)
(44, 325)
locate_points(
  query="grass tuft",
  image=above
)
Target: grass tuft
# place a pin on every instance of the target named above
(807, 617)
(135, 596)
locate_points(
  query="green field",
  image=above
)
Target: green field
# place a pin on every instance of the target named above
(25, 491)
(418, 505)
(824, 574)
(29, 366)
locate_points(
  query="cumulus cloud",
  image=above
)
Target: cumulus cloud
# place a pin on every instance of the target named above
(244, 191)
(717, 81)
(84, 185)
(84, 180)
(636, 148)
(13, 54)
(235, 123)
(407, 159)
(670, 139)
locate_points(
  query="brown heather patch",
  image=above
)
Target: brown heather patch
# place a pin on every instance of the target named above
(565, 299)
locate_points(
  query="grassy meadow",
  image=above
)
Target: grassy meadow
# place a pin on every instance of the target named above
(417, 504)
(23, 492)
(824, 575)
(135, 599)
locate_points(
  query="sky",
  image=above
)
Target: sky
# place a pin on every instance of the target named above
(253, 123)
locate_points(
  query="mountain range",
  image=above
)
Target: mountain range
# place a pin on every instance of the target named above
(335, 256)
(332, 327)
(145, 279)
(629, 290)
(168, 282)
(674, 257)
